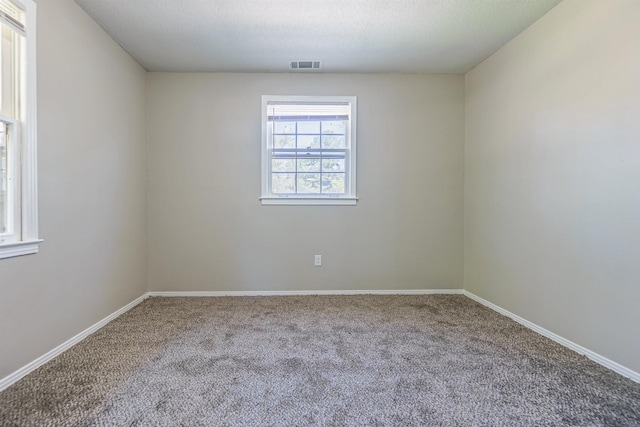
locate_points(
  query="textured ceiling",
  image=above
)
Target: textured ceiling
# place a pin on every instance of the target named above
(433, 36)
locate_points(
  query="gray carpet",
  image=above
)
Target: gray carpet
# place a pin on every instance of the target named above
(319, 360)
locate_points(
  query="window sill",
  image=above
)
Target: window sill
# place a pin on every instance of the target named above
(9, 250)
(306, 201)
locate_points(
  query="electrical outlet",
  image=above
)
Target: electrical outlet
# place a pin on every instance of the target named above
(318, 260)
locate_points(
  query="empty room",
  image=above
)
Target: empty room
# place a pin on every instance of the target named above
(320, 212)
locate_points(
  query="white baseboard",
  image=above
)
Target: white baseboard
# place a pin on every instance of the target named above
(17, 375)
(607, 363)
(299, 293)
(20, 373)
(25, 370)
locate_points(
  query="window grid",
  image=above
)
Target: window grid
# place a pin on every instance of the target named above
(11, 94)
(320, 153)
(308, 150)
(18, 111)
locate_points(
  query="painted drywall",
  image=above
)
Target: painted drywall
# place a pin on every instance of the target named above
(552, 176)
(92, 190)
(209, 232)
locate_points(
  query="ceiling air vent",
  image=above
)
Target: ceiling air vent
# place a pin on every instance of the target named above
(310, 65)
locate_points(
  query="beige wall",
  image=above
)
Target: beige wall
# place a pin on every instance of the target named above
(91, 136)
(552, 178)
(208, 230)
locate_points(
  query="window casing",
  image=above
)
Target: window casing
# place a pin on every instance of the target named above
(309, 150)
(18, 177)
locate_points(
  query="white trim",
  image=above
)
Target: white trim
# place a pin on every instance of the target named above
(30, 367)
(350, 195)
(29, 166)
(301, 293)
(9, 250)
(607, 363)
(30, 146)
(25, 370)
(12, 142)
(306, 201)
(26, 227)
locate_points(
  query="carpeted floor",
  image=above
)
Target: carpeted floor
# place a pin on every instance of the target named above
(436, 360)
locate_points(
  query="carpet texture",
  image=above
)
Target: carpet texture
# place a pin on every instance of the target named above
(436, 360)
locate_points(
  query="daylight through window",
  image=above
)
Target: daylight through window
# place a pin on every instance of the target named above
(18, 191)
(308, 150)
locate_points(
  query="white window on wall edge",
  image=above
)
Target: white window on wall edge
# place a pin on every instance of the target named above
(308, 150)
(18, 162)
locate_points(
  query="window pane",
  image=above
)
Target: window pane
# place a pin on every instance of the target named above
(333, 165)
(333, 141)
(333, 127)
(284, 127)
(333, 183)
(309, 183)
(309, 165)
(309, 151)
(283, 183)
(14, 12)
(309, 127)
(8, 78)
(308, 141)
(4, 181)
(283, 165)
(284, 141)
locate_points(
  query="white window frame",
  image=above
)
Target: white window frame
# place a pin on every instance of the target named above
(24, 237)
(349, 197)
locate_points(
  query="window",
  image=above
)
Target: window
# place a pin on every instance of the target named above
(309, 150)
(18, 181)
